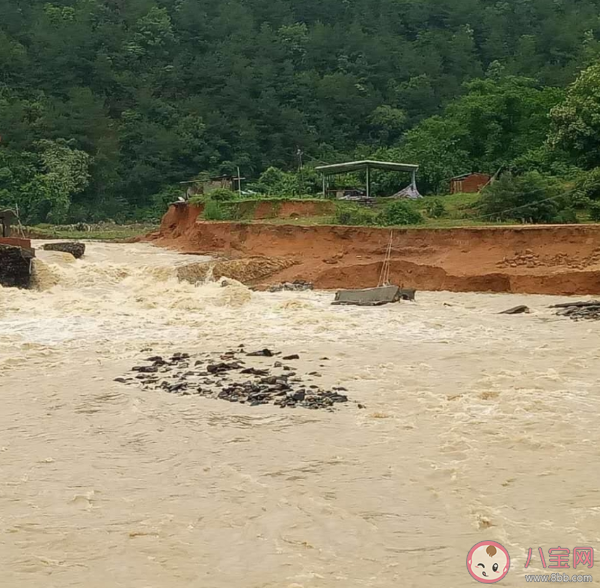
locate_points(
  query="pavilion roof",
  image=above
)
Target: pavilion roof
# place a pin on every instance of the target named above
(351, 166)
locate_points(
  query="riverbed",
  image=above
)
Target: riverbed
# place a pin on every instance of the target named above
(477, 426)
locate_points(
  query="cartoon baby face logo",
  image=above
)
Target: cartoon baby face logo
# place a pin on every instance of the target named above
(488, 562)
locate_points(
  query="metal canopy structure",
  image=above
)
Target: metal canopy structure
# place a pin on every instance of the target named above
(344, 168)
(367, 165)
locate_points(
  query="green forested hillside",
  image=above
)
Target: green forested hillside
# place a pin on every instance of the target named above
(104, 104)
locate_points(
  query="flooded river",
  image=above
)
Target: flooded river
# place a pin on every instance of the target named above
(477, 426)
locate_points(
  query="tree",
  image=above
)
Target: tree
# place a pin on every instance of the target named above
(388, 123)
(498, 120)
(41, 185)
(156, 92)
(576, 121)
(531, 197)
(399, 213)
(436, 145)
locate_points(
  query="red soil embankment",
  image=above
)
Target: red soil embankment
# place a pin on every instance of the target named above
(182, 214)
(532, 259)
(292, 209)
(16, 242)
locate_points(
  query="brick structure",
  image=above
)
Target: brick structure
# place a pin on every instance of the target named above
(469, 183)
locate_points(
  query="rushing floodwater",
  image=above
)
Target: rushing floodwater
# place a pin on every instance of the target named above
(478, 426)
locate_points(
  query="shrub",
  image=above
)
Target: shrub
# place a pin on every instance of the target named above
(587, 188)
(399, 213)
(276, 182)
(216, 211)
(567, 216)
(346, 214)
(166, 196)
(435, 209)
(595, 212)
(531, 197)
(222, 195)
(145, 215)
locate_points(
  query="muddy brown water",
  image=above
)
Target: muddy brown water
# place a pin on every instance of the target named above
(478, 426)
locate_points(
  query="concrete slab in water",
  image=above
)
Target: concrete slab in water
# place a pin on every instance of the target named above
(369, 297)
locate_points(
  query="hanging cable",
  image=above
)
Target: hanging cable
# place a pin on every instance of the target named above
(384, 277)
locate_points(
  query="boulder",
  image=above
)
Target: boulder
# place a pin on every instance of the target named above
(517, 310)
(15, 266)
(75, 249)
(408, 294)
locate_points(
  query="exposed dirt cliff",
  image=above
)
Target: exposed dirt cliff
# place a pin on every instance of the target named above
(532, 259)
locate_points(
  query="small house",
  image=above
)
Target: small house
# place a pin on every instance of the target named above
(219, 183)
(196, 187)
(469, 183)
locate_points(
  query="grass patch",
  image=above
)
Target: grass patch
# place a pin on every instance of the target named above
(96, 233)
(203, 199)
(245, 209)
(352, 214)
(229, 211)
(217, 211)
(394, 213)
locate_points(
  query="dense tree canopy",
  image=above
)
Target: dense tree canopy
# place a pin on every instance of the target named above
(576, 121)
(497, 121)
(123, 99)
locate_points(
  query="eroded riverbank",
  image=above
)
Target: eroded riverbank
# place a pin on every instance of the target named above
(477, 426)
(562, 259)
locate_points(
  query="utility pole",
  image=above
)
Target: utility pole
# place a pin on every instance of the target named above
(300, 153)
(239, 179)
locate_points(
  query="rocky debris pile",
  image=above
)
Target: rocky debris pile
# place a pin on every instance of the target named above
(579, 310)
(246, 271)
(591, 260)
(335, 259)
(227, 376)
(15, 266)
(296, 286)
(77, 250)
(526, 259)
(530, 260)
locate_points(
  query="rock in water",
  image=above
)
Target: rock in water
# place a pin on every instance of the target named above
(15, 266)
(75, 249)
(517, 310)
(262, 353)
(579, 310)
(297, 286)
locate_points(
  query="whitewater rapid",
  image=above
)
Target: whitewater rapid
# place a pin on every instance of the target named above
(477, 426)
